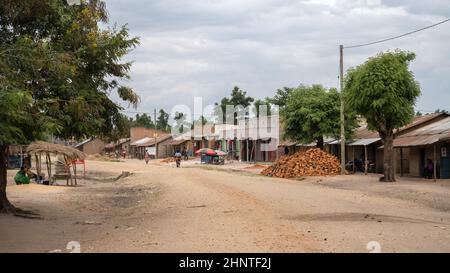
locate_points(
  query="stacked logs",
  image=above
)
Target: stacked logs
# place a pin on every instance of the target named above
(313, 162)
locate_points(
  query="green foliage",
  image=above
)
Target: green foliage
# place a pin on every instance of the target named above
(281, 97)
(312, 113)
(383, 90)
(440, 111)
(143, 120)
(58, 56)
(258, 110)
(238, 97)
(162, 122)
(181, 123)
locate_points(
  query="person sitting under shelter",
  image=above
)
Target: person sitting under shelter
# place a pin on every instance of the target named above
(21, 177)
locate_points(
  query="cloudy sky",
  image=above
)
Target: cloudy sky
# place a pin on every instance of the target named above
(205, 47)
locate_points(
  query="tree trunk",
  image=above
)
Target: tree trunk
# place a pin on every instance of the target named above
(320, 143)
(388, 161)
(5, 205)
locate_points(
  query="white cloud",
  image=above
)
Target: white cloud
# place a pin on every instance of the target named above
(206, 47)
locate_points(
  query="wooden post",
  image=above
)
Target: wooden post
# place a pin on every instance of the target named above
(50, 163)
(435, 162)
(40, 164)
(342, 116)
(353, 159)
(401, 162)
(37, 165)
(21, 156)
(66, 168)
(366, 163)
(48, 167)
(246, 144)
(75, 172)
(254, 159)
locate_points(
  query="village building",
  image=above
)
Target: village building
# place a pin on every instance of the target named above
(422, 145)
(142, 138)
(366, 147)
(118, 147)
(256, 141)
(91, 146)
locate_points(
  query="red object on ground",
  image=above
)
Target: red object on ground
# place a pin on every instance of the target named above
(80, 162)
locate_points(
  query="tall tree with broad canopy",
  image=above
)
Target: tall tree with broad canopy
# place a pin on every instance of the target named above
(162, 122)
(383, 90)
(281, 97)
(312, 113)
(57, 69)
(143, 120)
(238, 97)
(262, 107)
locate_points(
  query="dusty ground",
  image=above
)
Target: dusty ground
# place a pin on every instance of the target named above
(197, 208)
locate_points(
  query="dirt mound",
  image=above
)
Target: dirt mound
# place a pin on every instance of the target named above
(168, 160)
(256, 166)
(313, 162)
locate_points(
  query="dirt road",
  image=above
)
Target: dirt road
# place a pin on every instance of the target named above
(160, 208)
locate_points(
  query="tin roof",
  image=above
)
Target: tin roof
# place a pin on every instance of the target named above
(429, 134)
(140, 141)
(146, 142)
(364, 133)
(364, 142)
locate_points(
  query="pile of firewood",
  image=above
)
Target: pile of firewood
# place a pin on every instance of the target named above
(313, 162)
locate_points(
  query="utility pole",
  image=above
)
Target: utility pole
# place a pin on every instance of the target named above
(341, 78)
(156, 144)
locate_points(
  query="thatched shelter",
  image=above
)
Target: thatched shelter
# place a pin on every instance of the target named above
(41, 148)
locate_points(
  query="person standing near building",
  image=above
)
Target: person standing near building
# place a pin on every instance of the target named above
(146, 157)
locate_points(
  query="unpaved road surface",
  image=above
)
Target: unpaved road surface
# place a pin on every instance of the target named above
(160, 208)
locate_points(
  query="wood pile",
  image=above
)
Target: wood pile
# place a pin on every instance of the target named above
(313, 162)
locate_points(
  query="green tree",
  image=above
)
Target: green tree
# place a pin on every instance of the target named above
(281, 97)
(57, 69)
(384, 91)
(143, 120)
(180, 122)
(258, 106)
(162, 122)
(201, 120)
(238, 97)
(440, 111)
(312, 113)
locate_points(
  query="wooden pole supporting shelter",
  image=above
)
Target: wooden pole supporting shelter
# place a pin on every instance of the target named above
(75, 173)
(38, 170)
(70, 154)
(246, 145)
(401, 162)
(48, 165)
(366, 162)
(40, 163)
(353, 159)
(435, 162)
(21, 156)
(254, 159)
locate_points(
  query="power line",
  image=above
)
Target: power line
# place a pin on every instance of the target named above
(399, 36)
